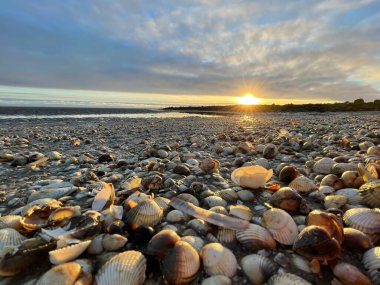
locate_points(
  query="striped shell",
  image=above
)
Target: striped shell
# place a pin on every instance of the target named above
(68, 253)
(352, 194)
(104, 198)
(225, 236)
(324, 165)
(10, 238)
(253, 177)
(217, 280)
(258, 268)
(127, 267)
(371, 262)
(281, 225)
(51, 193)
(287, 279)
(350, 275)
(147, 213)
(163, 203)
(10, 221)
(162, 241)
(363, 219)
(181, 264)
(218, 260)
(241, 211)
(303, 185)
(70, 272)
(370, 193)
(196, 242)
(256, 237)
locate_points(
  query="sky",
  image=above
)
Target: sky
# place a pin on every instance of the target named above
(201, 52)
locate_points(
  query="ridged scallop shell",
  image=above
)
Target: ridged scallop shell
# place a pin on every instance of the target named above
(281, 225)
(288, 174)
(10, 238)
(127, 267)
(46, 202)
(217, 280)
(51, 193)
(228, 194)
(181, 264)
(371, 262)
(10, 221)
(352, 194)
(256, 237)
(241, 211)
(196, 242)
(253, 177)
(188, 198)
(287, 279)
(104, 198)
(163, 203)
(147, 213)
(303, 185)
(68, 253)
(356, 240)
(324, 165)
(363, 219)
(350, 275)
(213, 201)
(287, 199)
(370, 193)
(162, 241)
(258, 268)
(69, 273)
(225, 236)
(218, 260)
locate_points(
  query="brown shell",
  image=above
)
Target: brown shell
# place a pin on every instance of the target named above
(196, 242)
(225, 236)
(327, 220)
(63, 215)
(350, 275)
(52, 204)
(288, 174)
(303, 185)
(371, 262)
(356, 240)
(161, 242)
(258, 268)
(181, 264)
(287, 199)
(270, 151)
(370, 193)
(287, 279)
(352, 194)
(209, 165)
(147, 213)
(256, 237)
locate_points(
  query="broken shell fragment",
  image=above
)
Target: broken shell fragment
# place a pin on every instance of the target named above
(68, 253)
(104, 198)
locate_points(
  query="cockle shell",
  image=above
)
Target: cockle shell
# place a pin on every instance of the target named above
(104, 198)
(352, 194)
(350, 275)
(176, 216)
(324, 165)
(225, 236)
(339, 168)
(241, 211)
(162, 241)
(352, 179)
(181, 264)
(213, 201)
(288, 174)
(188, 198)
(10, 221)
(303, 185)
(281, 225)
(147, 213)
(256, 237)
(287, 199)
(287, 279)
(370, 193)
(333, 181)
(113, 242)
(10, 238)
(371, 262)
(258, 268)
(228, 195)
(335, 201)
(356, 240)
(127, 267)
(218, 260)
(68, 253)
(199, 226)
(217, 280)
(251, 176)
(196, 242)
(163, 203)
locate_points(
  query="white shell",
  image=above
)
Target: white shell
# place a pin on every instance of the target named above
(68, 253)
(218, 260)
(10, 238)
(256, 237)
(253, 177)
(287, 279)
(217, 280)
(371, 261)
(113, 242)
(303, 185)
(258, 268)
(104, 198)
(352, 194)
(324, 165)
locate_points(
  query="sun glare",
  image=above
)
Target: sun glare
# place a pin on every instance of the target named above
(248, 99)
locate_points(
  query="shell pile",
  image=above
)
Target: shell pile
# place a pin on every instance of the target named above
(279, 199)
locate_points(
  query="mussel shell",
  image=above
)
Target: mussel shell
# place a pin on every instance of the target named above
(258, 268)
(327, 220)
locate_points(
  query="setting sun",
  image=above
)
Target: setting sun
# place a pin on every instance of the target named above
(248, 99)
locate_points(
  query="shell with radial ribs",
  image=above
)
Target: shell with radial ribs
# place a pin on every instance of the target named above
(218, 259)
(10, 221)
(370, 193)
(303, 185)
(371, 262)
(352, 194)
(196, 242)
(68, 253)
(162, 241)
(255, 238)
(241, 211)
(104, 198)
(281, 225)
(127, 267)
(181, 264)
(217, 280)
(147, 213)
(324, 165)
(253, 177)
(286, 279)
(258, 268)
(10, 238)
(188, 198)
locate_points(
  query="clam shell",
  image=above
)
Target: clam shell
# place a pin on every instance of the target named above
(225, 236)
(46, 202)
(66, 274)
(371, 262)
(253, 177)
(196, 242)
(228, 194)
(370, 193)
(339, 168)
(217, 280)
(352, 194)
(288, 174)
(287, 279)
(176, 216)
(10, 221)
(350, 275)
(68, 253)
(270, 151)
(333, 181)
(181, 264)
(324, 165)
(335, 201)
(51, 193)
(199, 226)
(147, 213)
(218, 260)
(352, 179)
(241, 211)
(281, 225)
(303, 185)
(213, 201)
(219, 210)
(356, 240)
(328, 221)
(127, 267)
(10, 238)
(113, 242)
(96, 246)
(163, 203)
(287, 199)
(104, 198)
(246, 196)
(188, 198)
(63, 215)
(258, 268)
(363, 219)
(256, 237)
(209, 165)
(161, 242)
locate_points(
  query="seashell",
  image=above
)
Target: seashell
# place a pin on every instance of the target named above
(218, 260)
(324, 165)
(113, 242)
(196, 242)
(219, 210)
(209, 165)
(199, 226)
(246, 196)
(333, 181)
(339, 168)
(245, 147)
(68, 253)
(152, 182)
(10, 221)
(288, 174)
(181, 264)
(85, 226)
(373, 150)
(127, 267)
(316, 242)
(356, 240)
(163, 203)
(228, 195)
(10, 238)
(208, 216)
(104, 198)
(353, 278)
(241, 211)
(51, 193)
(52, 204)
(365, 220)
(96, 246)
(161, 242)
(217, 280)
(35, 218)
(352, 179)
(225, 236)
(301, 263)
(328, 221)
(176, 216)
(188, 198)
(147, 213)
(286, 279)
(371, 262)
(63, 215)
(370, 193)
(352, 194)
(281, 225)
(287, 199)
(37, 163)
(262, 162)
(251, 176)
(136, 198)
(303, 185)
(270, 151)
(255, 237)
(335, 201)
(258, 268)
(213, 201)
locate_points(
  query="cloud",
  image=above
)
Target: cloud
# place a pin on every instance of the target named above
(327, 50)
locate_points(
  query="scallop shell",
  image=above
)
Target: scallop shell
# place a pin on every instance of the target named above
(286, 279)
(287, 199)
(288, 174)
(188, 198)
(68, 253)
(147, 213)
(241, 211)
(256, 237)
(303, 185)
(225, 236)
(333, 181)
(258, 268)
(371, 261)
(162, 241)
(10, 221)
(69, 273)
(127, 267)
(104, 198)
(10, 238)
(253, 177)
(370, 193)
(181, 264)
(352, 194)
(281, 225)
(51, 193)
(217, 280)
(196, 242)
(356, 240)
(324, 165)
(218, 260)
(353, 278)
(43, 203)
